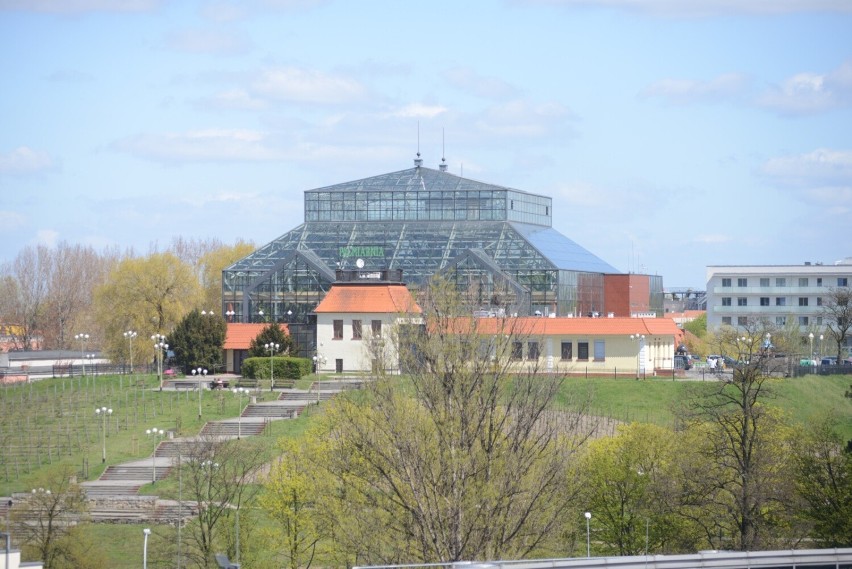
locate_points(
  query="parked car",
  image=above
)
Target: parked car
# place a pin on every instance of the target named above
(828, 361)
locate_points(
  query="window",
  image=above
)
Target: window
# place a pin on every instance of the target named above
(742, 301)
(819, 281)
(338, 329)
(726, 301)
(819, 301)
(764, 301)
(356, 329)
(517, 351)
(726, 282)
(742, 320)
(566, 350)
(726, 320)
(532, 350)
(600, 350)
(803, 281)
(819, 320)
(583, 351)
(780, 320)
(803, 320)
(781, 281)
(803, 301)
(764, 281)
(842, 281)
(376, 326)
(780, 301)
(742, 282)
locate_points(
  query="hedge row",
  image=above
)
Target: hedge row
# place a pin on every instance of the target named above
(283, 367)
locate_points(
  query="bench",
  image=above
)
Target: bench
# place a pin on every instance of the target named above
(219, 384)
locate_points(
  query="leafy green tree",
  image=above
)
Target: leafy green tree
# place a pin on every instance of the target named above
(744, 497)
(466, 464)
(823, 470)
(698, 327)
(837, 316)
(197, 341)
(272, 333)
(211, 265)
(148, 295)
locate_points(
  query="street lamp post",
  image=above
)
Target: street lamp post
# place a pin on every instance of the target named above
(639, 338)
(91, 359)
(200, 372)
(272, 349)
(239, 392)
(319, 361)
(811, 338)
(82, 338)
(160, 345)
(156, 434)
(230, 314)
(588, 535)
(820, 345)
(130, 334)
(103, 413)
(146, 532)
(260, 315)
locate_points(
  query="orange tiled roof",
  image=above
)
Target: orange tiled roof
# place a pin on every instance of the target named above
(385, 298)
(579, 326)
(239, 336)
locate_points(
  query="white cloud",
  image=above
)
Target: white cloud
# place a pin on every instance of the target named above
(469, 81)
(79, 6)
(11, 221)
(708, 8)
(25, 160)
(200, 146)
(807, 93)
(712, 238)
(683, 91)
(821, 177)
(223, 11)
(307, 86)
(214, 42)
(523, 119)
(46, 237)
(418, 110)
(234, 99)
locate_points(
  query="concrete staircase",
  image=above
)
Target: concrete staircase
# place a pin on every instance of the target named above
(232, 429)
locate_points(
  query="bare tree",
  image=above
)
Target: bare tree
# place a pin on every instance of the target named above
(25, 296)
(468, 464)
(837, 316)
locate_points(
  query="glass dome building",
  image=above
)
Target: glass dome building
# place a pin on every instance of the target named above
(497, 243)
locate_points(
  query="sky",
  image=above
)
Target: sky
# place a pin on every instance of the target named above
(671, 134)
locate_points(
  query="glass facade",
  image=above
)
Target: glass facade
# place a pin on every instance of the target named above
(496, 242)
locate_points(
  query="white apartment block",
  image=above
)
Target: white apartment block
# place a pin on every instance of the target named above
(779, 294)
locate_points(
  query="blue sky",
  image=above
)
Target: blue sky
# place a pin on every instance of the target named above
(671, 134)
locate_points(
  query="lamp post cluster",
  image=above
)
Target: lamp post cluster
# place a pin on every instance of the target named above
(200, 373)
(271, 348)
(160, 345)
(83, 338)
(103, 413)
(155, 434)
(239, 392)
(319, 362)
(130, 334)
(639, 338)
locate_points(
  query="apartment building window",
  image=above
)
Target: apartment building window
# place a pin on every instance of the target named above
(356, 329)
(726, 283)
(781, 281)
(726, 320)
(742, 320)
(376, 327)
(764, 281)
(517, 350)
(842, 281)
(780, 301)
(567, 352)
(803, 320)
(726, 301)
(532, 351)
(803, 281)
(819, 320)
(583, 351)
(742, 283)
(803, 301)
(819, 281)
(764, 301)
(780, 320)
(338, 329)
(819, 301)
(742, 301)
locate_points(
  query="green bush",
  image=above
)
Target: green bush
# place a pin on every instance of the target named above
(284, 367)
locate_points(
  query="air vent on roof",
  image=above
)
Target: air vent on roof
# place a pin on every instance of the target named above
(443, 165)
(418, 162)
